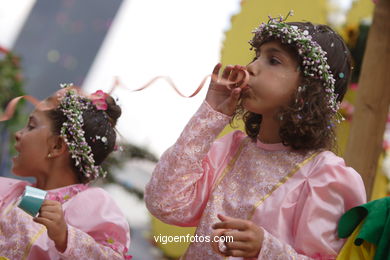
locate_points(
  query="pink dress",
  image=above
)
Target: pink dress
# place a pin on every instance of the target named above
(297, 198)
(97, 229)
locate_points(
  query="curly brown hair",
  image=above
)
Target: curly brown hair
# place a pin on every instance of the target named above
(308, 122)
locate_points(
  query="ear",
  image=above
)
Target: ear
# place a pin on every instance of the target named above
(57, 146)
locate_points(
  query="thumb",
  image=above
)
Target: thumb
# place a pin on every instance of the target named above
(232, 101)
(224, 218)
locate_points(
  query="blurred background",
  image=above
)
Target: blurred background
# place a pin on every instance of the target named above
(96, 44)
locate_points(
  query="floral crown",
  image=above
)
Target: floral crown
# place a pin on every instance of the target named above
(314, 61)
(72, 106)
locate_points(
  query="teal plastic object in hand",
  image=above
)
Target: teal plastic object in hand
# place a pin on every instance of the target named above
(31, 200)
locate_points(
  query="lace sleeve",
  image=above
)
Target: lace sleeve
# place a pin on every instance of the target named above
(273, 248)
(83, 246)
(178, 190)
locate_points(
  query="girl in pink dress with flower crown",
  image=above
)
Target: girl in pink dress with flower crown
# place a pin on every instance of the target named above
(277, 190)
(67, 137)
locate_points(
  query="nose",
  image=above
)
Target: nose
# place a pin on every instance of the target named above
(17, 135)
(251, 68)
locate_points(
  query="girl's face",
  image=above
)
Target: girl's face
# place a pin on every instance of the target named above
(274, 78)
(33, 143)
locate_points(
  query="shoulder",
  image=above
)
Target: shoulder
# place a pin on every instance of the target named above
(94, 193)
(10, 187)
(327, 172)
(232, 138)
(93, 209)
(93, 201)
(227, 144)
(8, 183)
(328, 163)
(92, 197)
(328, 157)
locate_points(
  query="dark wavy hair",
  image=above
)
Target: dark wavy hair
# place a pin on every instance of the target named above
(96, 123)
(307, 122)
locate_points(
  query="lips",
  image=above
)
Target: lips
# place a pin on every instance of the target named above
(246, 87)
(17, 148)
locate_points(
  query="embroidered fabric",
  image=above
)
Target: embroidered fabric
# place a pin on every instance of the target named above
(89, 250)
(94, 232)
(179, 185)
(252, 177)
(199, 177)
(64, 194)
(15, 239)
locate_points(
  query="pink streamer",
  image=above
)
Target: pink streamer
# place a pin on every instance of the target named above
(241, 82)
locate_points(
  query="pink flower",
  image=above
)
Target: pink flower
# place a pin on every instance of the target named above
(127, 257)
(99, 100)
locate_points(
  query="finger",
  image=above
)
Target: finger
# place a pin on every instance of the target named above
(216, 69)
(215, 74)
(49, 215)
(224, 217)
(231, 223)
(233, 74)
(43, 221)
(237, 245)
(235, 252)
(242, 78)
(50, 203)
(51, 208)
(236, 236)
(226, 72)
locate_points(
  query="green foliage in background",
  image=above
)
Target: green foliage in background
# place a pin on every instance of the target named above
(11, 86)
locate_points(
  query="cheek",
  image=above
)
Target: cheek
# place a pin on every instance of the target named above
(33, 147)
(288, 85)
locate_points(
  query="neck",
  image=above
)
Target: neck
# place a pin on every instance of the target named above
(56, 177)
(269, 130)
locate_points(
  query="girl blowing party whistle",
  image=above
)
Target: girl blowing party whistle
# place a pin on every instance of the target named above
(67, 137)
(277, 190)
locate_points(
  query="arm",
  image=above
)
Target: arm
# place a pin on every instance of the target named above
(182, 180)
(80, 245)
(329, 191)
(178, 190)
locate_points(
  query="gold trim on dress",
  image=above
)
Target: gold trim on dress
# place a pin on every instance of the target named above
(225, 171)
(280, 183)
(230, 165)
(32, 241)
